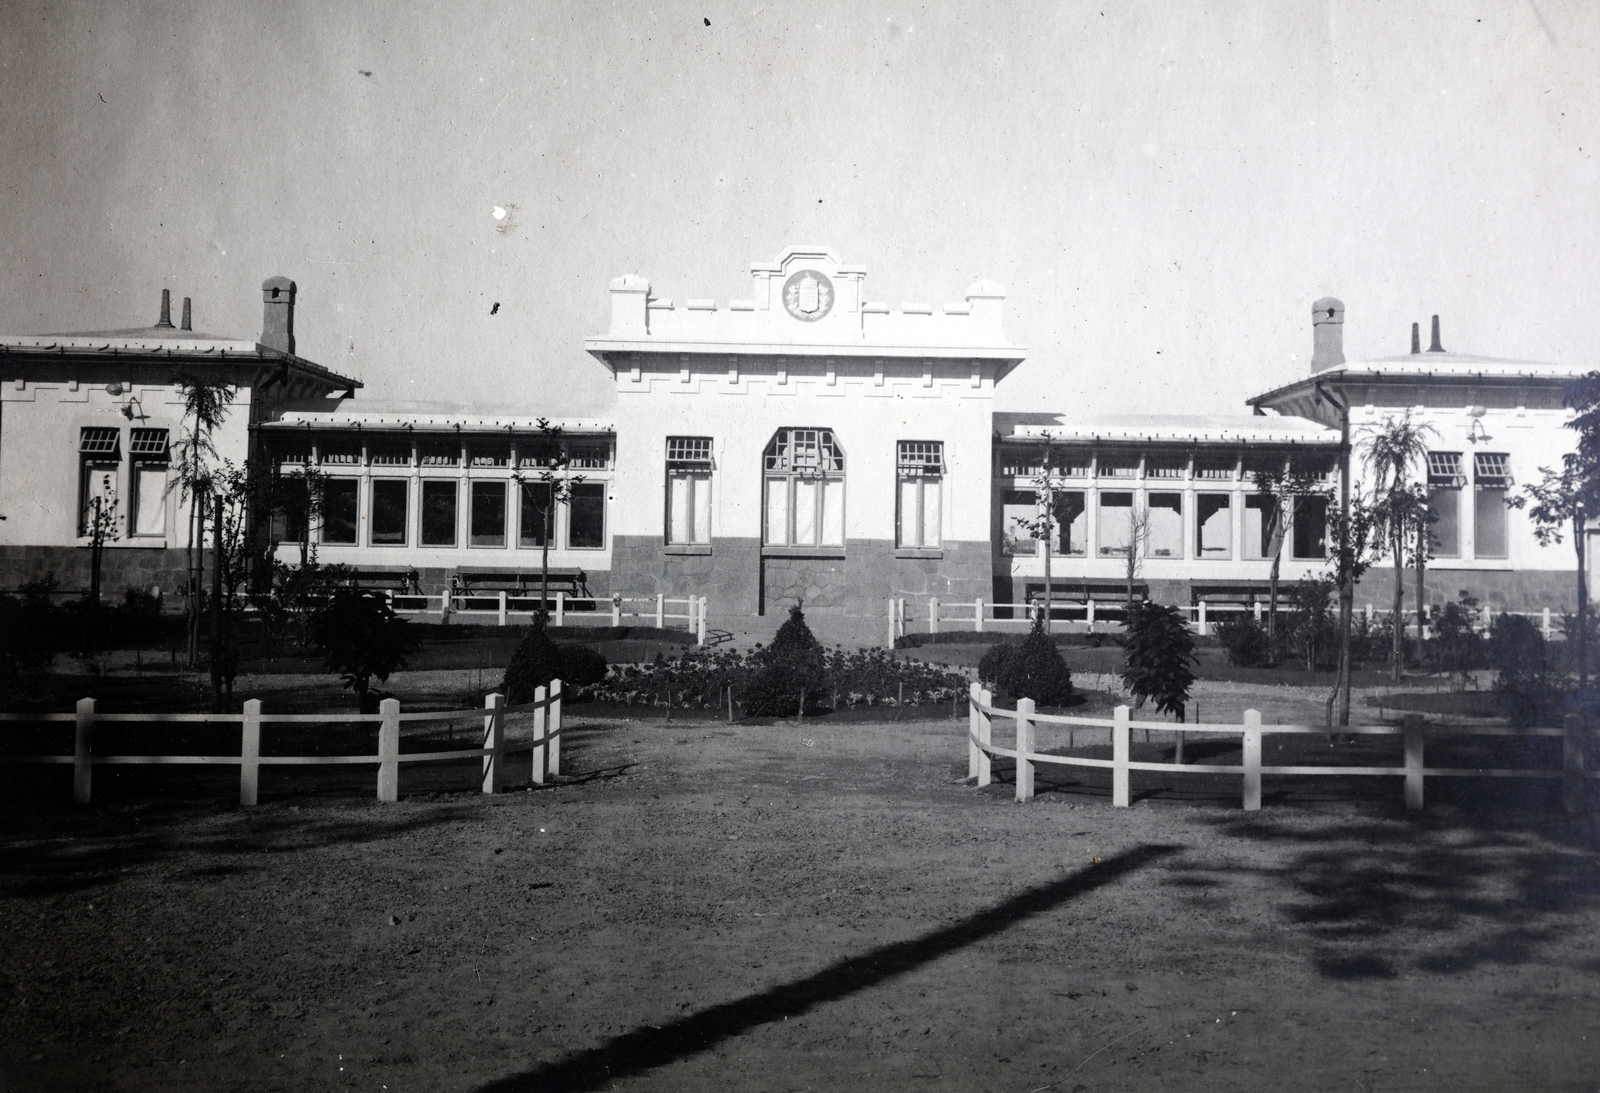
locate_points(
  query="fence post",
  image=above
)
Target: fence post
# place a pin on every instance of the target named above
(616, 609)
(541, 705)
(1255, 607)
(985, 735)
(1572, 739)
(1369, 615)
(554, 732)
(1413, 761)
(1089, 613)
(1121, 734)
(83, 752)
(1024, 749)
(661, 611)
(974, 753)
(933, 614)
(494, 738)
(1202, 626)
(977, 614)
(1544, 624)
(250, 753)
(389, 750)
(1251, 760)
(561, 608)
(701, 632)
(500, 615)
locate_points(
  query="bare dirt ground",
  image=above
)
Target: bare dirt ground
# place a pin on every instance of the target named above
(784, 908)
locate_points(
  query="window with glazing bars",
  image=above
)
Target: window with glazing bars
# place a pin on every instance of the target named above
(148, 443)
(341, 451)
(804, 487)
(688, 490)
(490, 455)
(1444, 469)
(440, 453)
(389, 452)
(1320, 469)
(1214, 469)
(1118, 466)
(99, 441)
(1165, 466)
(921, 467)
(589, 456)
(1492, 470)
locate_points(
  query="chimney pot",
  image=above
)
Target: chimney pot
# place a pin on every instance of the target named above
(1327, 333)
(277, 318)
(186, 323)
(1416, 338)
(166, 309)
(1436, 347)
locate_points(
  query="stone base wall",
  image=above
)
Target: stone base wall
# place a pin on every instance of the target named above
(121, 568)
(740, 581)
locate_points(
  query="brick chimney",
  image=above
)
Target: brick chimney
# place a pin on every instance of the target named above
(1327, 334)
(277, 314)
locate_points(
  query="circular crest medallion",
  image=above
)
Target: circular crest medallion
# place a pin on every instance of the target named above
(808, 295)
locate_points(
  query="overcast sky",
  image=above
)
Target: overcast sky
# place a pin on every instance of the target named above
(1164, 188)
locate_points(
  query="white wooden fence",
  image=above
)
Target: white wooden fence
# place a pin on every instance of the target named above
(545, 744)
(982, 751)
(980, 615)
(690, 610)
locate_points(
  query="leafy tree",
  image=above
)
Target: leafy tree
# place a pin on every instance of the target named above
(1354, 523)
(1391, 450)
(1042, 528)
(100, 524)
(1034, 669)
(1278, 490)
(363, 640)
(549, 488)
(205, 407)
(1456, 648)
(1312, 630)
(1522, 674)
(1159, 657)
(1561, 501)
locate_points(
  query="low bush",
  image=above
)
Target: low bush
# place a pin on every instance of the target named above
(791, 670)
(537, 660)
(1522, 672)
(1034, 669)
(1244, 642)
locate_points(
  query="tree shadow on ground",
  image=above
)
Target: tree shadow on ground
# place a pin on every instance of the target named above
(649, 1047)
(1445, 892)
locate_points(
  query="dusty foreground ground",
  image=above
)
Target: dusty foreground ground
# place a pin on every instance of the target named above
(789, 908)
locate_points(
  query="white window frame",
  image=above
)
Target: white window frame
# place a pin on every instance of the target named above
(689, 466)
(798, 456)
(919, 476)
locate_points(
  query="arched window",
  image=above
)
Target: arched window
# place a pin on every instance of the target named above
(804, 487)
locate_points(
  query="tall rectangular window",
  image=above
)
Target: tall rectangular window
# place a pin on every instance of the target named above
(689, 489)
(586, 516)
(1258, 512)
(388, 509)
(920, 471)
(1115, 520)
(99, 462)
(1491, 479)
(439, 512)
(1213, 523)
(1444, 503)
(804, 481)
(339, 511)
(148, 449)
(537, 513)
(1164, 530)
(1017, 507)
(1310, 527)
(1072, 523)
(488, 514)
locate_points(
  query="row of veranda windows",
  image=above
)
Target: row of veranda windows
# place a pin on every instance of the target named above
(803, 490)
(489, 506)
(1117, 517)
(136, 506)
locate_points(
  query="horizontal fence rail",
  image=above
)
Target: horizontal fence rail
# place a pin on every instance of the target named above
(979, 615)
(544, 746)
(689, 610)
(981, 751)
